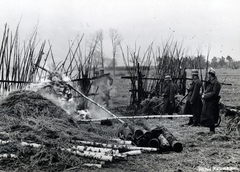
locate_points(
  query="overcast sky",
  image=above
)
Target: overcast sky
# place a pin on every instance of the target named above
(199, 23)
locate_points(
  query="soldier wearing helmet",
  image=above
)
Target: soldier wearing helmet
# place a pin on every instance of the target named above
(211, 99)
(194, 102)
(168, 94)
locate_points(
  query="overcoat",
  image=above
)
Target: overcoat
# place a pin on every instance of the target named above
(194, 102)
(169, 98)
(210, 111)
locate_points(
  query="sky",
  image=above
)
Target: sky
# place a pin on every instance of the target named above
(198, 23)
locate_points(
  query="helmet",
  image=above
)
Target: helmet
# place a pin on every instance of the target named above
(212, 71)
(168, 78)
(194, 72)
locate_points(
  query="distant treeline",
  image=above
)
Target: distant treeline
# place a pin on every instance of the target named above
(216, 62)
(199, 62)
(222, 62)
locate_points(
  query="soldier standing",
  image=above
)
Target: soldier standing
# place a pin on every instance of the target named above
(210, 101)
(169, 96)
(194, 102)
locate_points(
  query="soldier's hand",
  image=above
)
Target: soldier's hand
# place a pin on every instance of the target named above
(203, 96)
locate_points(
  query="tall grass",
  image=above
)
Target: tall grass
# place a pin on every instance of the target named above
(24, 64)
(169, 58)
(138, 68)
(79, 65)
(18, 64)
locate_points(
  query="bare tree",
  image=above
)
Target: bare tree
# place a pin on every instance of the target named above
(98, 54)
(99, 36)
(116, 38)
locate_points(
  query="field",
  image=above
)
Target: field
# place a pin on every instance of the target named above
(201, 152)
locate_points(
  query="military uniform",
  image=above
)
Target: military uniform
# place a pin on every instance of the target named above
(168, 96)
(194, 98)
(210, 103)
(194, 102)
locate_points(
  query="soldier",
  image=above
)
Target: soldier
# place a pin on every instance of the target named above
(103, 83)
(210, 101)
(168, 94)
(194, 102)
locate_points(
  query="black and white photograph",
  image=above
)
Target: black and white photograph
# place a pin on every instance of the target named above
(120, 85)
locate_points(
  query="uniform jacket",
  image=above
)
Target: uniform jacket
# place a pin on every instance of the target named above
(194, 91)
(212, 90)
(210, 111)
(169, 91)
(169, 98)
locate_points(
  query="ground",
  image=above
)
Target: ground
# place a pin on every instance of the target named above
(201, 152)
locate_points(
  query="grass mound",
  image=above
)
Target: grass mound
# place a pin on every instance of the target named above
(30, 104)
(26, 116)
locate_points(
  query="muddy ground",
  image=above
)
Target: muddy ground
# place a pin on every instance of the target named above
(201, 152)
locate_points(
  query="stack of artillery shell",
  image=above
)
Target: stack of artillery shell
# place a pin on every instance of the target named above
(166, 140)
(159, 137)
(138, 137)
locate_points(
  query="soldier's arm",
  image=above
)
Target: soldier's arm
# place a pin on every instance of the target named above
(214, 93)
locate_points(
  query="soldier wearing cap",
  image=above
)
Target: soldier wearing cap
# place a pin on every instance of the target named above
(168, 94)
(194, 102)
(211, 99)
